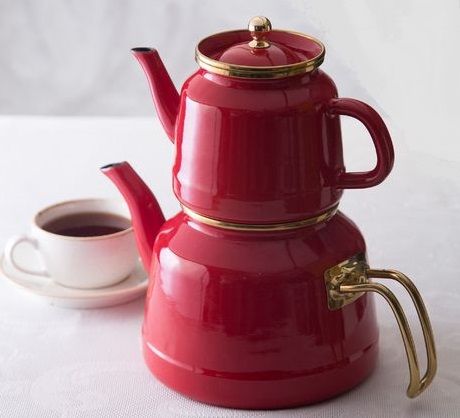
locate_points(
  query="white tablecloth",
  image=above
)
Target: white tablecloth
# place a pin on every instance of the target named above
(56, 362)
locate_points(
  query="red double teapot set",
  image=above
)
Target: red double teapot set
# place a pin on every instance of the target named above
(260, 292)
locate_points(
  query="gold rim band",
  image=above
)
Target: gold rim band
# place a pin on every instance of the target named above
(246, 71)
(284, 226)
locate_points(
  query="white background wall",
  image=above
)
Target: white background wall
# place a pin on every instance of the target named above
(69, 57)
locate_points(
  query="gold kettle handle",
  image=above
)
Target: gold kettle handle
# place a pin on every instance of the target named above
(353, 281)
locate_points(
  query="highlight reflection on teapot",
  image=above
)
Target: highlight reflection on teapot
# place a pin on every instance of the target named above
(260, 293)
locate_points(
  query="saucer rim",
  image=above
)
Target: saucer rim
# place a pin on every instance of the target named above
(79, 293)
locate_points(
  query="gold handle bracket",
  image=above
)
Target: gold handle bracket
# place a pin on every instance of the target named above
(349, 280)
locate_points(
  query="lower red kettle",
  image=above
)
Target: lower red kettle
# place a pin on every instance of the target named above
(262, 316)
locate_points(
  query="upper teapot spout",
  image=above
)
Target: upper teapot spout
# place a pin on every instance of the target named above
(164, 93)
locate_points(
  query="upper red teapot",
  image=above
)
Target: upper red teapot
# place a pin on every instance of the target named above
(257, 127)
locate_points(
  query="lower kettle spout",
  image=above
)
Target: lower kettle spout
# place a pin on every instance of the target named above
(146, 214)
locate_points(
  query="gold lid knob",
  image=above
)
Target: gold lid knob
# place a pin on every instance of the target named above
(259, 27)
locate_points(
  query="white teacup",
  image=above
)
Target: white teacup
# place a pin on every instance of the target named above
(86, 262)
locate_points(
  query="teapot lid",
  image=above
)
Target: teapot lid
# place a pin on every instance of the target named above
(259, 52)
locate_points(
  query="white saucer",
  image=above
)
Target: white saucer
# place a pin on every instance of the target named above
(129, 289)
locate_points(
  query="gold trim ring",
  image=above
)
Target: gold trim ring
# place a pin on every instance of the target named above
(283, 226)
(247, 71)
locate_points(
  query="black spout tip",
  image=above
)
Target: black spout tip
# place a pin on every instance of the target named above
(111, 165)
(143, 49)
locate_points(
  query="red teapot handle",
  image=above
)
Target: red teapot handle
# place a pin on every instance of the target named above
(380, 137)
